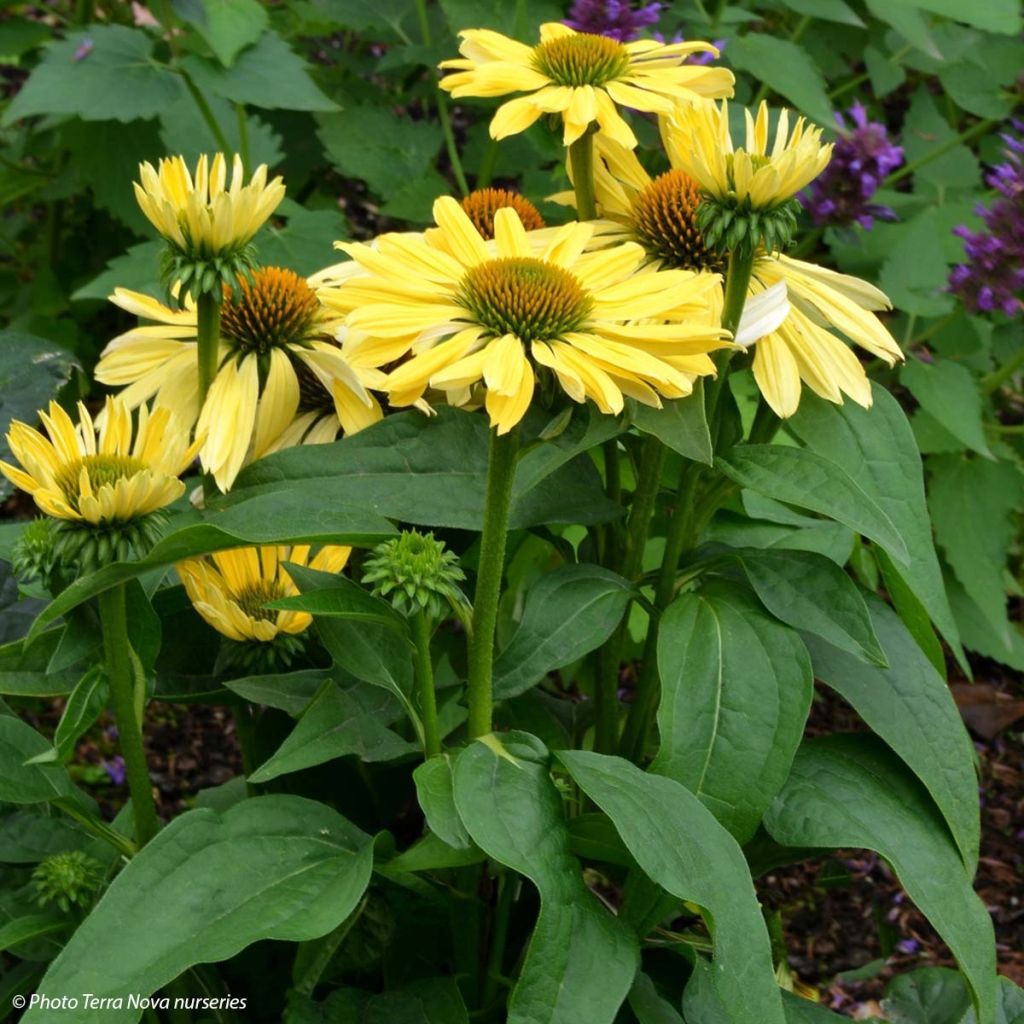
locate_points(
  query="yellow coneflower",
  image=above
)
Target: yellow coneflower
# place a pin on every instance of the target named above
(204, 216)
(581, 77)
(698, 141)
(229, 589)
(660, 214)
(100, 475)
(282, 379)
(473, 313)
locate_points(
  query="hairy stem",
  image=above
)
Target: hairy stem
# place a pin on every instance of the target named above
(422, 630)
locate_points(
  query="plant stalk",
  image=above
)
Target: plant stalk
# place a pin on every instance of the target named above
(422, 629)
(208, 342)
(994, 380)
(114, 623)
(501, 463)
(581, 159)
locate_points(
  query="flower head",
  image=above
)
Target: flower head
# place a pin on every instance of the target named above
(203, 218)
(282, 377)
(794, 305)
(67, 879)
(862, 157)
(100, 475)
(993, 277)
(473, 314)
(617, 19)
(580, 76)
(483, 203)
(230, 589)
(416, 572)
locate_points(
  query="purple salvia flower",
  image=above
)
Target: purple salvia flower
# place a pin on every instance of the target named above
(993, 276)
(617, 19)
(115, 769)
(862, 157)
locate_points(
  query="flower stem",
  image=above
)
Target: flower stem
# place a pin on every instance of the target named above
(934, 153)
(208, 338)
(500, 474)
(207, 115)
(114, 622)
(994, 380)
(737, 282)
(581, 159)
(422, 629)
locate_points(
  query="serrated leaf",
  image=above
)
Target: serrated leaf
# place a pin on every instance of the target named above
(993, 16)
(305, 241)
(735, 691)
(849, 791)
(876, 447)
(581, 960)
(272, 867)
(138, 269)
(828, 10)
(569, 612)
(227, 25)
(807, 479)
(680, 846)
(910, 706)
(101, 73)
(949, 392)
(924, 129)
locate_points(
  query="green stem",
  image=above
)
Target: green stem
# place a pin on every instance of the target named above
(501, 463)
(207, 114)
(114, 623)
(507, 885)
(994, 380)
(737, 283)
(794, 37)
(98, 828)
(450, 144)
(581, 159)
(853, 83)
(485, 173)
(422, 630)
(933, 154)
(208, 342)
(612, 474)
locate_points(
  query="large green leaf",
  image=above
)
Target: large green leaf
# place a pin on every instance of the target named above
(269, 74)
(876, 447)
(947, 391)
(581, 960)
(27, 837)
(100, 73)
(848, 791)
(735, 691)
(568, 613)
(227, 25)
(680, 424)
(32, 371)
(681, 847)
(929, 995)
(435, 790)
(810, 480)
(811, 592)
(993, 15)
(280, 518)
(429, 472)
(22, 783)
(339, 722)
(273, 867)
(975, 507)
(26, 672)
(1011, 1005)
(910, 706)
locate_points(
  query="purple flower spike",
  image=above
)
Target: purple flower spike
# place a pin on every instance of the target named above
(862, 157)
(617, 19)
(116, 770)
(993, 276)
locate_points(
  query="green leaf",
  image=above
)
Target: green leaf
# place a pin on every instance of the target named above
(784, 67)
(929, 995)
(138, 268)
(910, 706)
(992, 640)
(680, 846)
(22, 783)
(426, 472)
(912, 612)
(681, 424)
(305, 242)
(807, 479)
(32, 371)
(272, 867)
(915, 270)
(975, 508)
(269, 75)
(282, 518)
(850, 791)
(569, 612)
(338, 723)
(649, 1006)
(498, 15)
(925, 129)
(393, 150)
(227, 25)
(992, 16)
(828, 10)
(344, 599)
(287, 691)
(101, 73)
(811, 592)
(908, 21)
(876, 447)
(431, 853)
(431, 1001)
(27, 837)
(83, 707)
(581, 960)
(1011, 1005)
(436, 793)
(736, 689)
(34, 926)
(947, 391)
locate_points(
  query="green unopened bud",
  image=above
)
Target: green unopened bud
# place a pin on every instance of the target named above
(417, 573)
(727, 224)
(67, 879)
(188, 274)
(259, 657)
(34, 556)
(86, 548)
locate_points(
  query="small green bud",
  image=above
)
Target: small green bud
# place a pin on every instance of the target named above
(67, 879)
(728, 224)
(416, 573)
(35, 554)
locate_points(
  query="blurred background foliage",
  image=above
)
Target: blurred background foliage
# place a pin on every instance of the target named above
(340, 97)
